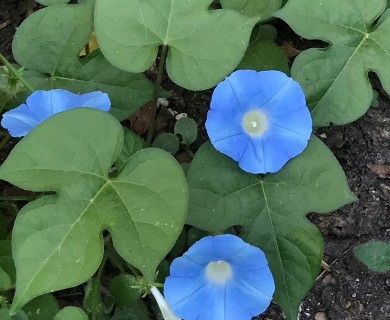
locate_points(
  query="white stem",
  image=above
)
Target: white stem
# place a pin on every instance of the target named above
(165, 308)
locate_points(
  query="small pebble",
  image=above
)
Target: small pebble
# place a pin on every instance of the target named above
(320, 316)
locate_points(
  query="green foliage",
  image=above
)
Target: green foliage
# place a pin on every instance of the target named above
(168, 142)
(195, 234)
(180, 245)
(271, 210)
(187, 129)
(43, 307)
(93, 303)
(5, 280)
(71, 313)
(124, 294)
(131, 144)
(6, 260)
(3, 226)
(204, 46)
(5, 315)
(49, 42)
(60, 236)
(335, 78)
(375, 99)
(52, 2)
(265, 55)
(375, 255)
(262, 9)
(10, 87)
(135, 312)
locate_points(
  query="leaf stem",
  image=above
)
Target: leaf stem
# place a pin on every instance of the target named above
(16, 72)
(156, 90)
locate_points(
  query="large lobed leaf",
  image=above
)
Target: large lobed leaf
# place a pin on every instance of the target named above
(204, 45)
(335, 79)
(57, 240)
(49, 42)
(271, 210)
(262, 9)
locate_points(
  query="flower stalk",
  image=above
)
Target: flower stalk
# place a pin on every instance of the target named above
(165, 308)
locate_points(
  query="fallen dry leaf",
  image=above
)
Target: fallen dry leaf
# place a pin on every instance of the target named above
(92, 45)
(382, 170)
(290, 50)
(140, 121)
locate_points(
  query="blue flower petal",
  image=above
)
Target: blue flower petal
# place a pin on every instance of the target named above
(96, 99)
(223, 137)
(287, 125)
(246, 292)
(47, 103)
(41, 105)
(190, 288)
(20, 121)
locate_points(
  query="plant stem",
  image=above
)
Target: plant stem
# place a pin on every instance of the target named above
(4, 141)
(156, 90)
(16, 72)
(98, 277)
(87, 50)
(17, 198)
(113, 257)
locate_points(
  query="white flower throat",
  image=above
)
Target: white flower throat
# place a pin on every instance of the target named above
(254, 122)
(219, 271)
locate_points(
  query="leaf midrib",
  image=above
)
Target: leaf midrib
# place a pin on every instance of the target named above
(57, 248)
(341, 71)
(274, 237)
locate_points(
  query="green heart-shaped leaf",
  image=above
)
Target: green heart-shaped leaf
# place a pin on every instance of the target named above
(335, 79)
(271, 210)
(71, 313)
(52, 2)
(262, 9)
(49, 42)
(57, 240)
(6, 260)
(265, 55)
(5, 280)
(204, 45)
(42, 308)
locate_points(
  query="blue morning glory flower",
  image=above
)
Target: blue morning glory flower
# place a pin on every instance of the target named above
(260, 119)
(220, 278)
(41, 105)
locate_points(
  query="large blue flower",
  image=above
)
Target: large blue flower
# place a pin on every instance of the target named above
(41, 105)
(220, 278)
(259, 119)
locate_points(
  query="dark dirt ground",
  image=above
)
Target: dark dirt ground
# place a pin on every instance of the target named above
(345, 290)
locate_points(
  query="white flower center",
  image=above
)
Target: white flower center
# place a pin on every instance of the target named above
(254, 122)
(219, 271)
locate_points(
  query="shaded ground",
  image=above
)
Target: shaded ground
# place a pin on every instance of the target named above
(345, 290)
